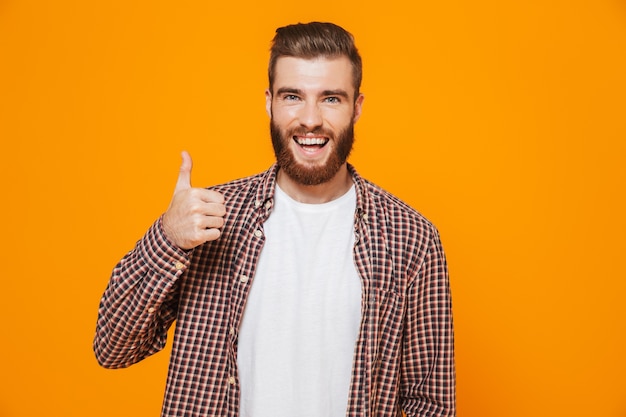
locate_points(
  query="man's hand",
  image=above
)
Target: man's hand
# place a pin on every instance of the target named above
(195, 215)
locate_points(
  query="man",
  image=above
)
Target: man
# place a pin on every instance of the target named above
(304, 290)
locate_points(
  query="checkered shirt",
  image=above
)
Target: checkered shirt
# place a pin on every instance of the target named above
(404, 353)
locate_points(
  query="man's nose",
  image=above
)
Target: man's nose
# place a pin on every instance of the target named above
(310, 116)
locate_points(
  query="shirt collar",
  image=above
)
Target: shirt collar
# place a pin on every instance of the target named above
(267, 184)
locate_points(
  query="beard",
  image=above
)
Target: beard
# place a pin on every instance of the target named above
(311, 174)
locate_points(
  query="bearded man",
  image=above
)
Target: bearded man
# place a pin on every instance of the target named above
(304, 290)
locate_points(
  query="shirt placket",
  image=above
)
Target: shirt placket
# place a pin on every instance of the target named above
(241, 284)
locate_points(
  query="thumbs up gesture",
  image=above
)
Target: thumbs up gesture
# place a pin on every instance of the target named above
(195, 215)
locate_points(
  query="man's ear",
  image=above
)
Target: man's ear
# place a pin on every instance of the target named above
(358, 107)
(268, 102)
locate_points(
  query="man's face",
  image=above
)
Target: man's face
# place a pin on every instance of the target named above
(312, 111)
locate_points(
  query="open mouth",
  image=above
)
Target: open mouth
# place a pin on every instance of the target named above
(310, 143)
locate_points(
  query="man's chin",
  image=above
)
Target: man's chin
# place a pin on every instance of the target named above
(310, 175)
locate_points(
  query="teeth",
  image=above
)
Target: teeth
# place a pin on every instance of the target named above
(311, 141)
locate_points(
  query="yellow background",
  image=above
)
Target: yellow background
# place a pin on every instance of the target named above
(503, 122)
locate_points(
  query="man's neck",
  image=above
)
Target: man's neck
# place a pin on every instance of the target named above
(316, 194)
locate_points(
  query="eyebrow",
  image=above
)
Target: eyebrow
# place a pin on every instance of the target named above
(325, 93)
(341, 93)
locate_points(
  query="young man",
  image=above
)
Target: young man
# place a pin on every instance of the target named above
(304, 290)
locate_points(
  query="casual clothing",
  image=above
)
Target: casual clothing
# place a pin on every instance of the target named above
(404, 352)
(302, 316)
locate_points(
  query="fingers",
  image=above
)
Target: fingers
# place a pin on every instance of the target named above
(207, 235)
(207, 196)
(192, 237)
(195, 215)
(208, 222)
(190, 222)
(184, 175)
(214, 210)
(199, 211)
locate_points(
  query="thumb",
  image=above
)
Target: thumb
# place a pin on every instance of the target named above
(184, 176)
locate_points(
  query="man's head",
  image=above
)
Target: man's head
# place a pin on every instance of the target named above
(315, 40)
(313, 100)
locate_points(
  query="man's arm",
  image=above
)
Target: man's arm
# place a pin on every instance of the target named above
(428, 380)
(140, 301)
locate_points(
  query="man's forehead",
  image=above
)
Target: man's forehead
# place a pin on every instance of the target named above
(319, 72)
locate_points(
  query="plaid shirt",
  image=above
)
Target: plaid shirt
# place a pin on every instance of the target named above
(404, 354)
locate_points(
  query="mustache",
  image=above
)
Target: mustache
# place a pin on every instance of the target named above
(320, 131)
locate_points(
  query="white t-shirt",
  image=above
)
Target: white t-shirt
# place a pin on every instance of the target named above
(301, 320)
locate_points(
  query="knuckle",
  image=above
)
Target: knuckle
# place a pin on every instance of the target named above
(195, 207)
(196, 224)
(217, 197)
(197, 237)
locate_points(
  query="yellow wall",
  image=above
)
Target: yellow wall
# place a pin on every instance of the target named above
(503, 122)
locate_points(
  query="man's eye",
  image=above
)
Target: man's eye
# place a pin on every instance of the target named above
(290, 97)
(332, 99)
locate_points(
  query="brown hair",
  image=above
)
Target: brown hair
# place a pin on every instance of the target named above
(313, 40)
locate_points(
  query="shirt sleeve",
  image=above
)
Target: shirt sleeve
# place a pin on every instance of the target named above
(140, 301)
(428, 379)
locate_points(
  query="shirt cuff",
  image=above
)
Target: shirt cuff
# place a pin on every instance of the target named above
(161, 255)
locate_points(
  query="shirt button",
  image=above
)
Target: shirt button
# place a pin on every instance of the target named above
(268, 204)
(232, 330)
(151, 310)
(243, 278)
(365, 217)
(231, 380)
(258, 233)
(257, 204)
(179, 265)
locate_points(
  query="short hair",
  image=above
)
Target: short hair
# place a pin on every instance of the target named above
(313, 40)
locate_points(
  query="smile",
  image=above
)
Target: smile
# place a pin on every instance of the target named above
(310, 141)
